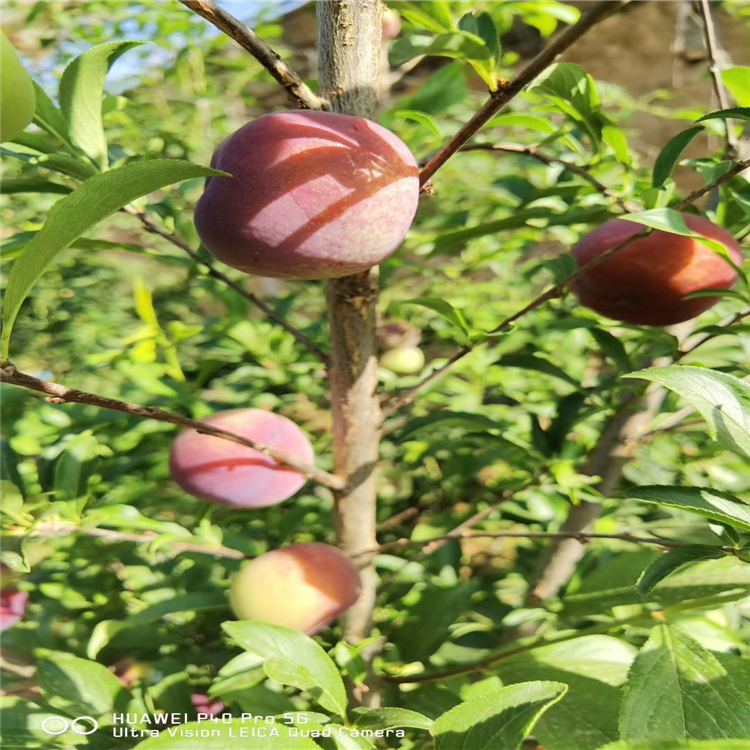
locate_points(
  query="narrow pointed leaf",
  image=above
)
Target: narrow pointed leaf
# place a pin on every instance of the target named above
(94, 200)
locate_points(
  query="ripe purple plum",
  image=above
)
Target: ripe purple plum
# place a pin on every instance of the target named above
(304, 586)
(218, 470)
(645, 283)
(313, 195)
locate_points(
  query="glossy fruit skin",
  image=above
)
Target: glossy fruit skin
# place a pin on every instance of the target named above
(17, 97)
(314, 195)
(304, 586)
(218, 470)
(405, 360)
(646, 281)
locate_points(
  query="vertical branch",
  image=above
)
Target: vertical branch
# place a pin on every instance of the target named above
(349, 56)
(715, 52)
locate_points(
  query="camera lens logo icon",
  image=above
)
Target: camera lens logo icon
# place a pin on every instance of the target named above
(80, 725)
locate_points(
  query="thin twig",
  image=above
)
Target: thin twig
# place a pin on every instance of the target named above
(297, 90)
(150, 226)
(552, 293)
(61, 394)
(431, 545)
(534, 153)
(741, 315)
(582, 537)
(509, 89)
(712, 46)
(534, 642)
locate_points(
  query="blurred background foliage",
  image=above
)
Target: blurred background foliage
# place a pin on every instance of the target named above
(125, 315)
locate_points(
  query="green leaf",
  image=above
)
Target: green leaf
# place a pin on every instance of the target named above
(468, 419)
(580, 215)
(94, 200)
(49, 118)
(615, 138)
(670, 155)
(78, 687)
(733, 113)
(573, 92)
(235, 735)
(671, 561)
(292, 658)
(443, 308)
(421, 117)
(737, 80)
(713, 504)
(613, 348)
(568, 409)
(522, 120)
(688, 745)
(429, 620)
(75, 465)
(81, 94)
(678, 690)
(728, 578)
(14, 187)
(723, 400)
(669, 220)
(594, 669)
(460, 45)
(127, 517)
(106, 630)
(495, 720)
(389, 718)
(435, 15)
(442, 90)
(537, 364)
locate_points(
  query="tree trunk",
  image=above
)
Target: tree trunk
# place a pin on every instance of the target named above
(349, 58)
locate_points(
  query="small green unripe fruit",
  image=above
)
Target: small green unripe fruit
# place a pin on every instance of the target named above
(304, 586)
(17, 98)
(405, 360)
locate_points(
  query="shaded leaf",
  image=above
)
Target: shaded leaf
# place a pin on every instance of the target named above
(678, 690)
(293, 658)
(94, 200)
(668, 157)
(671, 561)
(499, 719)
(723, 400)
(713, 504)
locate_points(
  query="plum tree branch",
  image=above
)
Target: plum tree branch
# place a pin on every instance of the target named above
(60, 394)
(349, 55)
(297, 90)
(58, 529)
(408, 395)
(152, 227)
(510, 89)
(580, 536)
(712, 46)
(534, 153)
(534, 642)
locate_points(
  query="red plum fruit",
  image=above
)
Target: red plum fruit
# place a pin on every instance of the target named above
(304, 586)
(645, 282)
(215, 469)
(313, 195)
